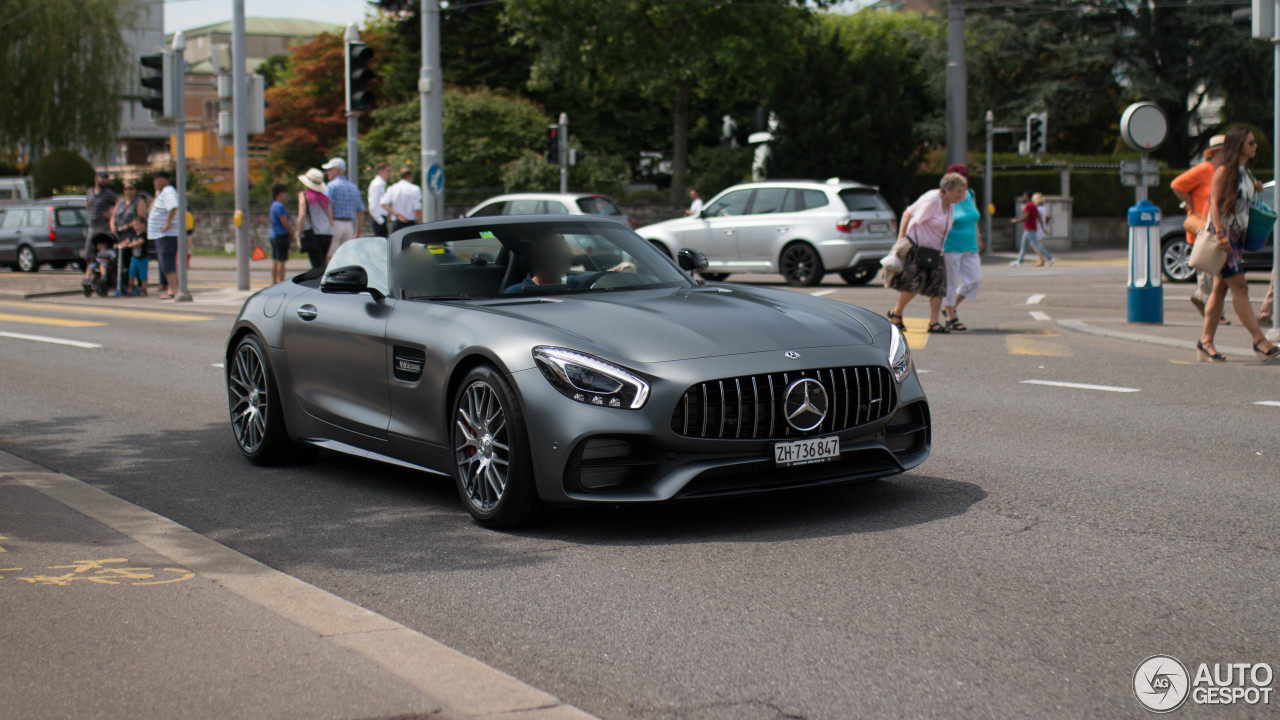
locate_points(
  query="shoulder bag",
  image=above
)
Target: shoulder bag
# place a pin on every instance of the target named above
(928, 258)
(1206, 256)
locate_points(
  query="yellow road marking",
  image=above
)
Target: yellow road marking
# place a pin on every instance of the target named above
(1181, 362)
(111, 312)
(1, 548)
(917, 333)
(1023, 345)
(41, 320)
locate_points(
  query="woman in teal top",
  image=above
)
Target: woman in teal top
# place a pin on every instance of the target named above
(960, 254)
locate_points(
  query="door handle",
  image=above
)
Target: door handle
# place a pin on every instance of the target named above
(728, 232)
(782, 229)
(307, 312)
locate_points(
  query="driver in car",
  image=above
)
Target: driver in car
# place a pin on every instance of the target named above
(549, 258)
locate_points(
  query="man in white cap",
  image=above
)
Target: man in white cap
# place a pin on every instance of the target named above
(1192, 188)
(348, 208)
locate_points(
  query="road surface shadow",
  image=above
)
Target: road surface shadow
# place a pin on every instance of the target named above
(344, 513)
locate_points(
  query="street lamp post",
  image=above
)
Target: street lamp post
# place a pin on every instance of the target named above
(431, 93)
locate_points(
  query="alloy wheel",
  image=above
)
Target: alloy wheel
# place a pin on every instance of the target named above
(1176, 260)
(248, 385)
(27, 259)
(801, 265)
(481, 446)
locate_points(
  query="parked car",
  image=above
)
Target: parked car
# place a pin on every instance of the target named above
(15, 190)
(1175, 251)
(44, 232)
(550, 204)
(614, 385)
(801, 229)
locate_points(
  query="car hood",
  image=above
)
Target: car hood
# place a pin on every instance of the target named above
(650, 326)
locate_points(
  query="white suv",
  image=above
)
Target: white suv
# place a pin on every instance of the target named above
(801, 229)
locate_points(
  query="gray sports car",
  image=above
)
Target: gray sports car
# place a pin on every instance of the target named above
(563, 359)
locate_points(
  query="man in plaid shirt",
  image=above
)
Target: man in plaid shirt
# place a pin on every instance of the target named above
(348, 208)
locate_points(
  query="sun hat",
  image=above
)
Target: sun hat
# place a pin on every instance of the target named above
(313, 179)
(1215, 143)
(335, 163)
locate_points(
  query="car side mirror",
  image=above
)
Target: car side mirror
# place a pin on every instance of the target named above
(691, 260)
(349, 280)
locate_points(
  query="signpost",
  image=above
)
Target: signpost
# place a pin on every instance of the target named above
(1144, 127)
(435, 180)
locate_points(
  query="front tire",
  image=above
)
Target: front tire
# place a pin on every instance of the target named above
(27, 261)
(801, 265)
(257, 418)
(1175, 260)
(493, 469)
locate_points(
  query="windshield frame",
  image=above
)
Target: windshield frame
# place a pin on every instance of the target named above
(514, 233)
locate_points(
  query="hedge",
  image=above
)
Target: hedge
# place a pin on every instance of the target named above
(1095, 193)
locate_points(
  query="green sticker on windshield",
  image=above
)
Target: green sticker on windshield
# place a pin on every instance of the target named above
(488, 234)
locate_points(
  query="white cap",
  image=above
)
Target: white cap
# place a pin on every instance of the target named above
(336, 163)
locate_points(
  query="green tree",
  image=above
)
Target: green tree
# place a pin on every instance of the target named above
(483, 130)
(62, 71)
(849, 99)
(59, 171)
(658, 53)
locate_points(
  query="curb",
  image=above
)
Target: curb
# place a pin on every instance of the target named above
(465, 686)
(1083, 326)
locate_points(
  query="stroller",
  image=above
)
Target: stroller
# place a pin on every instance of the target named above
(105, 275)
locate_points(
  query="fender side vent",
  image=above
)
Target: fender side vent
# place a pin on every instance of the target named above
(407, 362)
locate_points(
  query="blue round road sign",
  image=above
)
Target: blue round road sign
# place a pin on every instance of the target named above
(435, 179)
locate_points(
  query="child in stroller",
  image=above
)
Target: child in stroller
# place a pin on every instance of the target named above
(103, 272)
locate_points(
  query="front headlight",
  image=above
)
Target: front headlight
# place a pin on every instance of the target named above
(589, 379)
(899, 354)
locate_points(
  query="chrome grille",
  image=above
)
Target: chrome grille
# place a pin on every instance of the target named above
(751, 406)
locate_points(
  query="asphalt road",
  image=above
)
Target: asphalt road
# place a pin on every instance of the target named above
(1056, 537)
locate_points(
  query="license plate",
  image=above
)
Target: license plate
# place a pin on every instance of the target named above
(809, 450)
(878, 227)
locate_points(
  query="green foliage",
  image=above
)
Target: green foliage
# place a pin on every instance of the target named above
(62, 70)
(657, 54)
(59, 171)
(483, 129)
(847, 103)
(715, 168)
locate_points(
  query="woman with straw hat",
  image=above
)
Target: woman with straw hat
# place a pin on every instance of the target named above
(315, 217)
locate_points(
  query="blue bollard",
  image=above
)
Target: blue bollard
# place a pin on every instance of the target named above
(1146, 295)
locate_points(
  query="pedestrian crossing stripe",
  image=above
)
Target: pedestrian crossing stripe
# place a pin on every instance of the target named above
(104, 311)
(45, 320)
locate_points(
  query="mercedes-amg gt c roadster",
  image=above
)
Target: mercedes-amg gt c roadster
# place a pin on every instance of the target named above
(563, 359)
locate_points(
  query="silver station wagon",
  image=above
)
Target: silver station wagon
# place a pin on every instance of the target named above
(801, 229)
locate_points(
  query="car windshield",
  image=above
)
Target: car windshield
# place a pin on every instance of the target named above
(863, 200)
(530, 259)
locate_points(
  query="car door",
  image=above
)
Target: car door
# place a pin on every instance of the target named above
(336, 348)
(769, 219)
(715, 234)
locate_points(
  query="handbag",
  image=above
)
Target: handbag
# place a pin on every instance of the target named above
(307, 240)
(928, 258)
(1206, 256)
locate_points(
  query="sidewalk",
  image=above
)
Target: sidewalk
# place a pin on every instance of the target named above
(114, 612)
(205, 273)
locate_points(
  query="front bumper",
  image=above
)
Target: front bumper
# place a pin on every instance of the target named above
(588, 454)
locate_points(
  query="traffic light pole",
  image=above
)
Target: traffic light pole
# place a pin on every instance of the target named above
(1274, 333)
(987, 173)
(353, 117)
(241, 139)
(431, 92)
(180, 150)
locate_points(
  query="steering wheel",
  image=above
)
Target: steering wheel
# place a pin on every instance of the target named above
(590, 282)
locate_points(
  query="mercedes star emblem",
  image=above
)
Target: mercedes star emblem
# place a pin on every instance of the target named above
(805, 404)
(791, 355)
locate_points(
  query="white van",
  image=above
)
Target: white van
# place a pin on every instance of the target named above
(15, 189)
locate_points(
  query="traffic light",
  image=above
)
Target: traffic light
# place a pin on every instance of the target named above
(359, 77)
(1037, 129)
(161, 81)
(553, 144)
